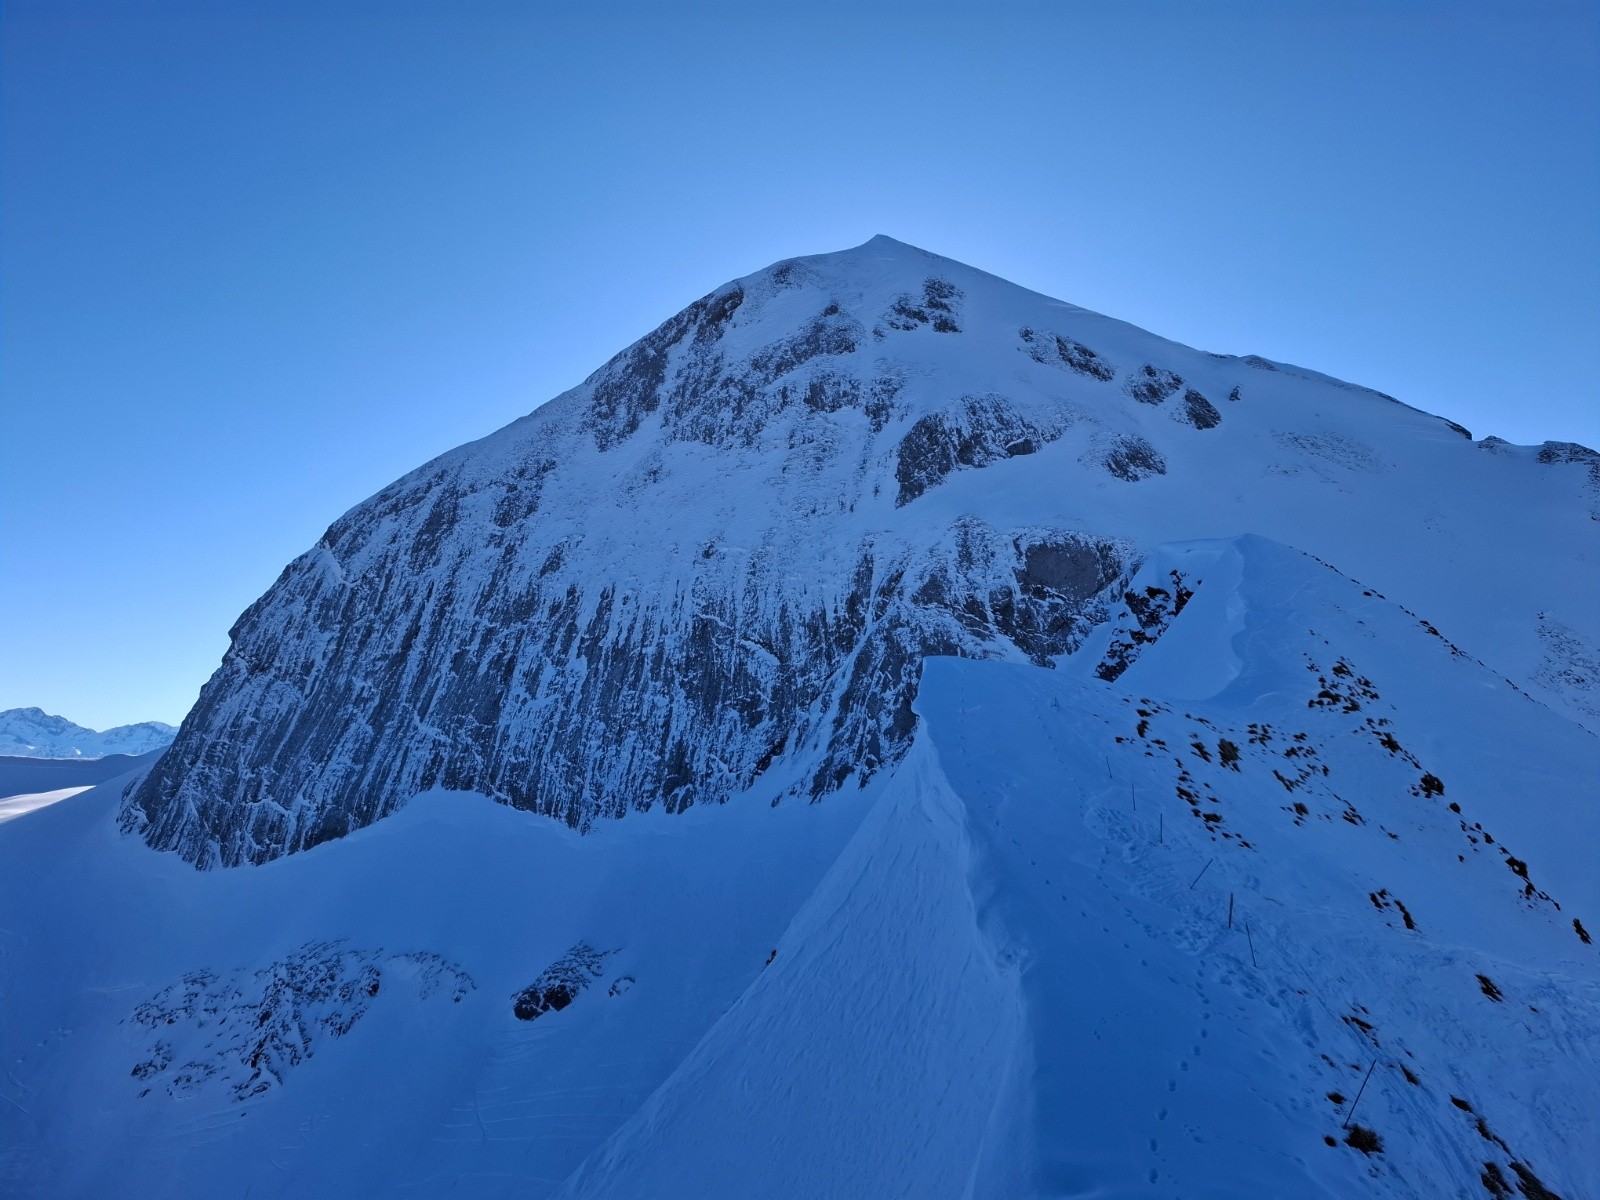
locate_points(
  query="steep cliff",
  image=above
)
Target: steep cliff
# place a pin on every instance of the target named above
(721, 560)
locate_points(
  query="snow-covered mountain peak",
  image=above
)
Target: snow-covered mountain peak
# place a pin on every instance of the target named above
(723, 556)
(34, 733)
(994, 752)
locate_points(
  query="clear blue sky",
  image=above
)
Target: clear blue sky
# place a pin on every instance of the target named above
(258, 259)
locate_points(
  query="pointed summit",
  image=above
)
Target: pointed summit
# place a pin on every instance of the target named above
(878, 241)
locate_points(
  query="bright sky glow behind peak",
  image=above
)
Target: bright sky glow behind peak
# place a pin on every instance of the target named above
(260, 259)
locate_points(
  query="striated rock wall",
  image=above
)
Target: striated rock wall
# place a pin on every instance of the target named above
(718, 563)
(585, 615)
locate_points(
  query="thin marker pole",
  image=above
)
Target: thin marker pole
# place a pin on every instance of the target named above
(1230, 910)
(1134, 796)
(1252, 942)
(1161, 828)
(1357, 1100)
(1203, 870)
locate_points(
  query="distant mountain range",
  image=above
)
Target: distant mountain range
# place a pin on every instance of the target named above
(34, 733)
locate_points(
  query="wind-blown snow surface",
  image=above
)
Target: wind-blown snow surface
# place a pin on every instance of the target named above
(1006, 714)
(19, 775)
(27, 784)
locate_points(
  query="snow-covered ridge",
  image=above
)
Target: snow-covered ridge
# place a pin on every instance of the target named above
(34, 733)
(718, 564)
(1269, 888)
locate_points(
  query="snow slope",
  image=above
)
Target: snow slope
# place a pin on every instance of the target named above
(118, 1085)
(1036, 919)
(34, 733)
(1004, 968)
(23, 803)
(19, 775)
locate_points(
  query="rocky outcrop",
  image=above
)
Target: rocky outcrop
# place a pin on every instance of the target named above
(562, 982)
(975, 432)
(1581, 456)
(1152, 385)
(1054, 349)
(1198, 411)
(936, 307)
(1128, 457)
(239, 1033)
(1147, 612)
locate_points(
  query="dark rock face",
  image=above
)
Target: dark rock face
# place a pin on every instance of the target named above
(1568, 452)
(629, 387)
(559, 984)
(1572, 452)
(241, 1033)
(1052, 349)
(1147, 614)
(980, 591)
(580, 706)
(1131, 458)
(1199, 412)
(1152, 385)
(935, 307)
(829, 392)
(974, 433)
(681, 373)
